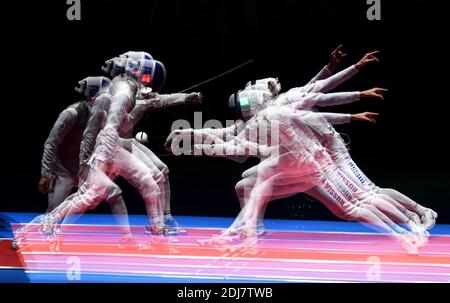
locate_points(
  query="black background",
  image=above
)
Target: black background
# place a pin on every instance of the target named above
(196, 39)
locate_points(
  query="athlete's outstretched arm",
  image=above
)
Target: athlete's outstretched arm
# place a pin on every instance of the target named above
(334, 81)
(155, 102)
(335, 58)
(338, 118)
(301, 101)
(169, 100)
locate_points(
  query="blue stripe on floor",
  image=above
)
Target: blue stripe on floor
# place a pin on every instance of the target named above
(104, 278)
(215, 222)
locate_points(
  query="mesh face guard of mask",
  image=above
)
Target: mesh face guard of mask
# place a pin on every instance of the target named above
(248, 103)
(116, 66)
(150, 73)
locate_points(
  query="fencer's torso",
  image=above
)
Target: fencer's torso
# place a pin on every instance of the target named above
(96, 122)
(63, 144)
(123, 91)
(70, 145)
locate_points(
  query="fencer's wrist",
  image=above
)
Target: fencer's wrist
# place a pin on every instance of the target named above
(199, 98)
(331, 66)
(359, 65)
(356, 117)
(346, 118)
(366, 94)
(194, 98)
(191, 98)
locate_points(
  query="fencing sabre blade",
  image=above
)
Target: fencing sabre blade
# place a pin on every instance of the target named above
(218, 76)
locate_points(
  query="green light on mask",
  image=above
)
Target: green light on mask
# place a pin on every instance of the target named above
(244, 102)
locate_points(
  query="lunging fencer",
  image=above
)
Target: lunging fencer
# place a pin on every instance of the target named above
(375, 207)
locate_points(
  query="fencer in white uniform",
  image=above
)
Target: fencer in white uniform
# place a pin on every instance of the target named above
(149, 100)
(160, 169)
(63, 157)
(60, 160)
(352, 194)
(301, 164)
(109, 158)
(312, 94)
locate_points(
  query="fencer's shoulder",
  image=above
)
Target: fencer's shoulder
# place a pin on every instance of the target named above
(102, 97)
(99, 107)
(119, 83)
(271, 110)
(76, 104)
(122, 89)
(70, 111)
(296, 91)
(280, 99)
(287, 97)
(290, 91)
(278, 112)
